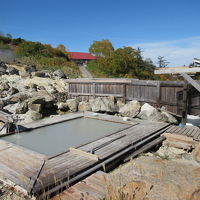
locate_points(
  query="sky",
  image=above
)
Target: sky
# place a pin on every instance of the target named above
(168, 28)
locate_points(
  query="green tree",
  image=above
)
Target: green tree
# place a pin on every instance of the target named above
(62, 48)
(162, 62)
(103, 48)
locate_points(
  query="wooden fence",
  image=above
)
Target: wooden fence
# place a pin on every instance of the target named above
(157, 93)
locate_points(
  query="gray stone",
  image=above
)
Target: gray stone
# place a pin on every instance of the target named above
(11, 107)
(148, 112)
(35, 107)
(59, 73)
(3, 68)
(19, 97)
(166, 117)
(104, 104)
(63, 107)
(22, 108)
(12, 71)
(131, 109)
(13, 91)
(84, 106)
(72, 104)
(42, 74)
(29, 68)
(33, 115)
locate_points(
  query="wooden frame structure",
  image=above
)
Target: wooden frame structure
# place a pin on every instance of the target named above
(44, 176)
(184, 71)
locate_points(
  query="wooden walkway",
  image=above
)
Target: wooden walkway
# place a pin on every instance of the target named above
(190, 131)
(44, 176)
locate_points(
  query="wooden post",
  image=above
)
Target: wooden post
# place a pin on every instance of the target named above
(124, 93)
(185, 103)
(93, 90)
(158, 94)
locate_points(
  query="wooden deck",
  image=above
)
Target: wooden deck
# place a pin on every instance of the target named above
(43, 176)
(94, 187)
(190, 131)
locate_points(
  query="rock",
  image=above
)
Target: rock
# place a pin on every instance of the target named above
(196, 153)
(11, 107)
(19, 97)
(29, 68)
(3, 68)
(131, 109)
(84, 106)
(42, 74)
(12, 71)
(22, 108)
(59, 73)
(148, 112)
(61, 96)
(33, 115)
(12, 91)
(72, 104)
(104, 104)
(120, 104)
(166, 117)
(4, 86)
(35, 107)
(2, 104)
(63, 107)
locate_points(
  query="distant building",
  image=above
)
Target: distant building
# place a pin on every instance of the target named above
(81, 58)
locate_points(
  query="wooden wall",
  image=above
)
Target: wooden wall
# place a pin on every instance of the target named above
(157, 93)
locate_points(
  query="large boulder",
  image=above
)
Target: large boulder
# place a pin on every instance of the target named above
(166, 117)
(148, 112)
(104, 104)
(59, 73)
(84, 106)
(131, 109)
(72, 105)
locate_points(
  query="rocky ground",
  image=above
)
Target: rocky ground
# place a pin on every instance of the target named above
(170, 173)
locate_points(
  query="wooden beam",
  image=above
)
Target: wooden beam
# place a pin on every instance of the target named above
(185, 104)
(177, 70)
(83, 153)
(194, 83)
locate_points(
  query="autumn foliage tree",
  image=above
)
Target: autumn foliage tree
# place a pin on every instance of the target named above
(103, 48)
(122, 62)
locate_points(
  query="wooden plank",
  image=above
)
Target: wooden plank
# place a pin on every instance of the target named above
(185, 104)
(194, 83)
(83, 153)
(171, 70)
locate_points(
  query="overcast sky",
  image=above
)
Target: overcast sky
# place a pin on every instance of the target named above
(168, 28)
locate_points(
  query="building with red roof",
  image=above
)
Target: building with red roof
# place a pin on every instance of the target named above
(81, 58)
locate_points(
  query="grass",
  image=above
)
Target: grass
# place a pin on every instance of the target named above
(70, 69)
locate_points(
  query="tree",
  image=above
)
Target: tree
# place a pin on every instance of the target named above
(9, 35)
(103, 48)
(162, 62)
(62, 48)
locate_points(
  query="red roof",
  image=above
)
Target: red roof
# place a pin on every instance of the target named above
(81, 56)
